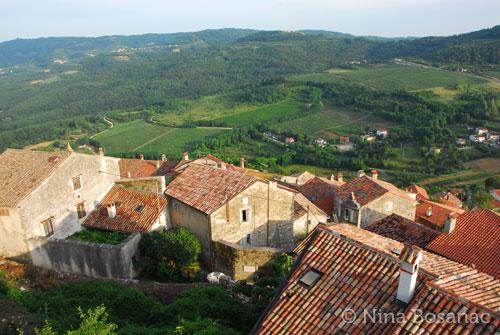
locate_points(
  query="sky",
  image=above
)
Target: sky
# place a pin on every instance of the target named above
(389, 18)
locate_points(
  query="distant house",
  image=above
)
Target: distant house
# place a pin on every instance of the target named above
(420, 192)
(344, 139)
(224, 205)
(477, 139)
(481, 131)
(320, 142)
(368, 138)
(448, 198)
(207, 160)
(461, 141)
(289, 140)
(492, 136)
(46, 195)
(140, 168)
(364, 200)
(382, 132)
(496, 198)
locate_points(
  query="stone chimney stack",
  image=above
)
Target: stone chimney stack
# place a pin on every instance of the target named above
(410, 258)
(163, 157)
(340, 177)
(112, 210)
(361, 173)
(242, 162)
(332, 177)
(185, 156)
(141, 157)
(374, 174)
(101, 151)
(450, 223)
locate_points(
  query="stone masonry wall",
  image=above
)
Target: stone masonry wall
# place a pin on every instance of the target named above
(377, 210)
(87, 258)
(238, 262)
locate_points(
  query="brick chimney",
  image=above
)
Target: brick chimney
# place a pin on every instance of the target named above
(185, 156)
(340, 177)
(361, 173)
(242, 162)
(112, 210)
(101, 151)
(141, 157)
(374, 174)
(410, 258)
(449, 224)
(163, 157)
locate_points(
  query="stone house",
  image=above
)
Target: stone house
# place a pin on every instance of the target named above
(218, 204)
(48, 194)
(364, 200)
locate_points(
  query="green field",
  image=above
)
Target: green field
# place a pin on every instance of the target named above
(393, 77)
(142, 137)
(278, 112)
(331, 121)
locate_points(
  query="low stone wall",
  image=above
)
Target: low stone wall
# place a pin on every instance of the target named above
(238, 262)
(87, 258)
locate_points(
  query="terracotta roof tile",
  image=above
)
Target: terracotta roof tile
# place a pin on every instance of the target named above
(438, 213)
(320, 192)
(129, 218)
(22, 171)
(207, 188)
(475, 241)
(447, 198)
(419, 191)
(138, 168)
(403, 230)
(302, 205)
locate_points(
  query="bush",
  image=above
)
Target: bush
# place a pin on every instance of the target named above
(202, 327)
(99, 236)
(171, 255)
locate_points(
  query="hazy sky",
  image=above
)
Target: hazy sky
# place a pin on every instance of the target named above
(37, 18)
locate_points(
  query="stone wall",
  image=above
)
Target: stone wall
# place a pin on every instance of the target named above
(379, 209)
(87, 258)
(241, 262)
(149, 184)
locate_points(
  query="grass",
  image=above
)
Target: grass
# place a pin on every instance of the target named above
(392, 77)
(99, 236)
(485, 164)
(140, 136)
(331, 122)
(278, 112)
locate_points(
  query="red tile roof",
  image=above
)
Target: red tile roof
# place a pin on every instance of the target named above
(367, 189)
(403, 230)
(439, 213)
(139, 168)
(208, 160)
(128, 218)
(207, 188)
(22, 171)
(419, 191)
(361, 277)
(448, 199)
(320, 192)
(302, 206)
(475, 241)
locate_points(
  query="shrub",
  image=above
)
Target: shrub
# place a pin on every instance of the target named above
(99, 236)
(171, 255)
(202, 327)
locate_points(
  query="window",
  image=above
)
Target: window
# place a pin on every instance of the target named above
(346, 214)
(48, 226)
(310, 278)
(80, 210)
(245, 215)
(388, 206)
(77, 183)
(249, 238)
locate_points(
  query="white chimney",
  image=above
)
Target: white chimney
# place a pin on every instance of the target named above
(129, 174)
(409, 258)
(374, 174)
(185, 156)
(361, 173)
(141, 157)
(222, 165)
(101, 151)
(157, 164)
(242, 162)
(340, 177)
(163, 157)
(449, 224)
(428, 212)
(112, 210)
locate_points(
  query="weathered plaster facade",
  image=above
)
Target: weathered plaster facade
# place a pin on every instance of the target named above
(56, 199)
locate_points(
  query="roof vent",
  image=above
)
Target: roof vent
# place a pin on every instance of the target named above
(53, 159)
(310, 278)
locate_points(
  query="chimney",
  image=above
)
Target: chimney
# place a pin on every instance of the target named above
(410, 258)
(112, 210)
(449, 224)
(222, 165)
(361, 173)
(428, 212)
(141, 157)
(185, 156)
(101, 151)
(158, 164)
(340, 177)
(163, 158)
(332, 177)
(69, 148)
(129, 175)
(374, 174)
(242, 162)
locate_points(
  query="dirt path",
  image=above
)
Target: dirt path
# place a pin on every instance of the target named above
(108, 122)
(226, 128)
(154, 139)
